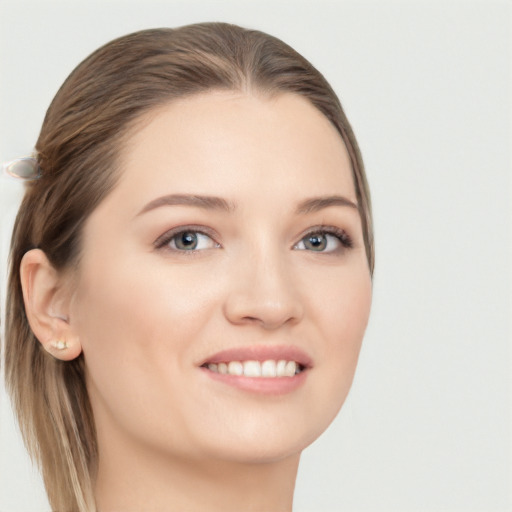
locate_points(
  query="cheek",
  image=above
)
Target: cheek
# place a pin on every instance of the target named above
(127, 301)
(135, 327)
(341, 305)
(342, 319)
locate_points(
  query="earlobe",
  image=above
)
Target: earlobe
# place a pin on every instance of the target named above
(46, 304)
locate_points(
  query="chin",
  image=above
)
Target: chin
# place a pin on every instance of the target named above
(260, 438)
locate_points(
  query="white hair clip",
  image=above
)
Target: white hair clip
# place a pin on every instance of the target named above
(25, 168)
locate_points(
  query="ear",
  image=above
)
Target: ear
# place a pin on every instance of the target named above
(47, 300)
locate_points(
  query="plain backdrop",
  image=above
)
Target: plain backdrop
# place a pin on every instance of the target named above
(427, 88)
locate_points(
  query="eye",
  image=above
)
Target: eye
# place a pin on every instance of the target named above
(325, 240)
(186, 240)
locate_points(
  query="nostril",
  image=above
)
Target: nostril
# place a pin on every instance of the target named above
(251, 319)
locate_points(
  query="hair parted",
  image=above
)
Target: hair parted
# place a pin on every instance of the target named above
(78, 151)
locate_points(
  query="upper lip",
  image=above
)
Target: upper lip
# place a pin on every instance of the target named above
(261, 353)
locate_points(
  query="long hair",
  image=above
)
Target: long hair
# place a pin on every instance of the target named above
(78, 149)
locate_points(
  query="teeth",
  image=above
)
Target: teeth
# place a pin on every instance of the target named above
(281, 365)
(267, 369)
(252, 369)
(235, 368)
(290, 368)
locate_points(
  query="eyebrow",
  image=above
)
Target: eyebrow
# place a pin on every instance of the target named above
(313, 204)
(319, 203)
(204, 202)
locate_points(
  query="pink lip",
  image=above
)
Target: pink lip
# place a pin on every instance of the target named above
(261, 353)
(262, 385)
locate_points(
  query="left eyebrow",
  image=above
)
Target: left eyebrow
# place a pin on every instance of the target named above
(319, 203)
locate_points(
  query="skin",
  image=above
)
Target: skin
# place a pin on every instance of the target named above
(145, 317)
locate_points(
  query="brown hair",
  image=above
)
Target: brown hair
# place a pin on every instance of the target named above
(77, 150)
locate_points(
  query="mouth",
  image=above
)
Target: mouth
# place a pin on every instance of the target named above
(260, 369)
(269, 368)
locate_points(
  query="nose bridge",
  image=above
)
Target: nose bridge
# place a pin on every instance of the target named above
(263, 289)
(270, 273)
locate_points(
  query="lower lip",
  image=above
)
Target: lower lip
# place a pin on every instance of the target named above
(262, 385)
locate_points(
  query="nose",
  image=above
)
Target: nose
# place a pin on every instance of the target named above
(263, 293)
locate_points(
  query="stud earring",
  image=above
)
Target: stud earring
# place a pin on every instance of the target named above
(59, 344)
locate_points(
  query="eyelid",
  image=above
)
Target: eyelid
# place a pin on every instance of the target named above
(164, 239)
(342, 235)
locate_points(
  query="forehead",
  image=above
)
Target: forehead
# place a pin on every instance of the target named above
(228, 144)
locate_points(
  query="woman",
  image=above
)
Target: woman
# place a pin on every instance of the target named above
(190, 274)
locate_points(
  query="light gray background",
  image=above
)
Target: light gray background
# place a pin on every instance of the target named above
(426, 86)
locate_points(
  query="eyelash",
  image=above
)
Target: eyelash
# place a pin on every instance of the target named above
(341, 235)
(163, 241)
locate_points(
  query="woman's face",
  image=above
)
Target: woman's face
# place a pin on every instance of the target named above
(232, 236)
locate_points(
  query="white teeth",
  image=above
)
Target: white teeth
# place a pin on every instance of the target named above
(235, 368)
(290, 368)
(269, 368)
(280, 367)
(252, 369)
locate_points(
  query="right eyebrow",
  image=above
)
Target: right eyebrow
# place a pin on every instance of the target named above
(204, 202)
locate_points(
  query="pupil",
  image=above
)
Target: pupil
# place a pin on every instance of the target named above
(188, 240)
(317, 242)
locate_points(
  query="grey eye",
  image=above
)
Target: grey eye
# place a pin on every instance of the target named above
(186, 240)
(320, 242)
(315, 242)
(191, 241)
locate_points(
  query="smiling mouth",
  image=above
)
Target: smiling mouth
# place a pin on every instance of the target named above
(259, 369)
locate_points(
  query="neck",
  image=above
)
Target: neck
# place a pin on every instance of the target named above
(132, 481)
